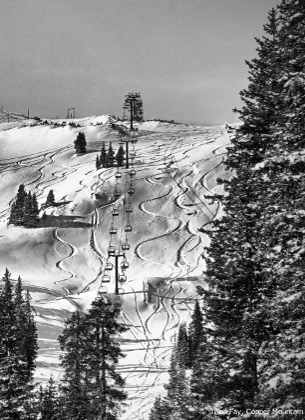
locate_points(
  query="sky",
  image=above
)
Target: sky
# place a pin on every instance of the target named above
(185, 57)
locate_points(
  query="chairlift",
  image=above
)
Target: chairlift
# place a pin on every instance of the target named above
(125, 246)
(122, 278)
(106, 278)
(129, 209)
(115, 212)
(117, 303)
(111, 250)
(131, 190)
(102, 290)
(124, 265)
(108, 266)
(117, 193)
(128, 228)
(113, 230)
(118, 175)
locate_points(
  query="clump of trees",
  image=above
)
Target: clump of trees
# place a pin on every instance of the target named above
(18, 351)
(24, 210)
(252, 355)
(80, 143)
(107, 158)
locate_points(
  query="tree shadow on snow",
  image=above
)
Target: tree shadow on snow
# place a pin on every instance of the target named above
(63, 222)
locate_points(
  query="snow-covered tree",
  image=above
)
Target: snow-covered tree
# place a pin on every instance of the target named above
(80, 143)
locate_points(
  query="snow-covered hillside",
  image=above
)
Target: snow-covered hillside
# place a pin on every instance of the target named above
(62, 261)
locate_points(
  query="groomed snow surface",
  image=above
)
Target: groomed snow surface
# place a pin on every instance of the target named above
(62, 261)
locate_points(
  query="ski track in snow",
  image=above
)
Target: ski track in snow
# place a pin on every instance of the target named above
(160, 156)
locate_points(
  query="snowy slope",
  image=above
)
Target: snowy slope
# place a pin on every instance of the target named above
(62, 261)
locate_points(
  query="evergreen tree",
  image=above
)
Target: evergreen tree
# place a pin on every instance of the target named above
(97, 162)
(50, 407)
(195, 330)
(19, 206)
(80, 143)
(120, 156)
(12, 218)
(28, 209)
(102, 357)
(110, 157)
(73, 341)
(103, 156)
(177, 398)
(182, 347)
(255, 260)
(159, 411)
(91, 386)
(50, 199)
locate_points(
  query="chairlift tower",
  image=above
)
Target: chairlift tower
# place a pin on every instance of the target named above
(134, 104)
(72, 114)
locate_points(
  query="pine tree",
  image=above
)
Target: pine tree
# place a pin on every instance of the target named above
(110, 157)
(182, 347)
(91, 387)
(80, 143)
(159, 411)
(103, 156)
(103, 353)
(50, 199)
(97, 162)
(120, 156)
(74, 389)
(177, 398)
(50, 406)
(12, 218)
(195, 331)
(28, 209)
(19, 206)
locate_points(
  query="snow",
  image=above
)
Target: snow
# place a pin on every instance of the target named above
(62, 261)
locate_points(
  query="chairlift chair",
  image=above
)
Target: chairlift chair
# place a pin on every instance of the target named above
(102, 290)
(115, 212)
(108, 266)
(125, 246)
(106, 278)
(111, 250)
(113, 230)
(132, 172)
(124, 265)
(129, 209)
(128, 228)
(123, 278)
(131, 190)
(117, 193)
(132, 154)
(118, 175)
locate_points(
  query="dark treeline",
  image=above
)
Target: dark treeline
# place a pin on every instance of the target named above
(250, 362)
(25, 211)
(108, 157)
(90, 389)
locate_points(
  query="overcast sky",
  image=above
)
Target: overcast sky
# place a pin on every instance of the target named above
(185, 57)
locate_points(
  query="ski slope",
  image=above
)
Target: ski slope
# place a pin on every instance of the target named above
(62, 261)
